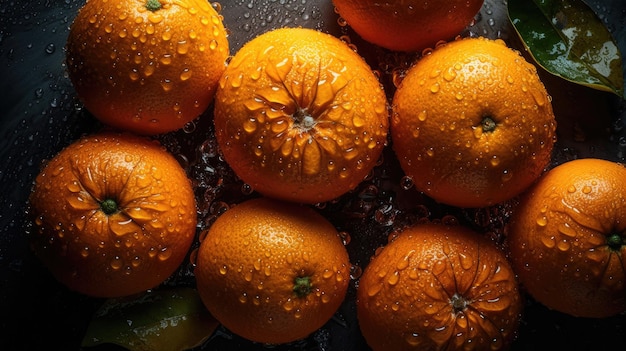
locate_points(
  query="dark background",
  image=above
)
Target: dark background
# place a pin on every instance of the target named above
(39, 115)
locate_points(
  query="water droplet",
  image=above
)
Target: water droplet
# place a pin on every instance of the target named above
(563, 245)
(413, 339)
(422, 115)
(189, 127)
(133, 75)
(567, 230)
(166, 84)
(466, 261)
(406, 182)
(116, 263)
(135, 33)
(236, 81)
(185, 74)
(154, 18)
(394, 278)
(343, 173)
(439, 267)
(213, 44)
(39, 93)
(164, 254)
(506, 176)
(257, 265)
(183, 47)
(192, 10)
(345, 237)
(223, 269)
(248, 276)
(193, 257)
(434, 88)
(403, 263)
(79, 201)
(539, 97)
(548, 241)
(435, 73)
(136, 262)
(288, 305)
(246, 189)
(542, 221)
(355, 272)
(449, 75)
(495, 161)
(325, 298)
(148, 69)
(374, 289)
(50, 48)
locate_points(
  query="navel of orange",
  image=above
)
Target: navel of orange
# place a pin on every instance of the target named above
(407, 25)
(438, 287)
(148, 66)
(300, 116)
(567, 238)
(114, 215)
(472, 123)
(272, 271)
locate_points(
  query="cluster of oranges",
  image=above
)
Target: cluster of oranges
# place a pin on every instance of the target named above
(303, 119)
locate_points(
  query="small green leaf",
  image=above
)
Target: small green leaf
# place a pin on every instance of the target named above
(567, 39)
(165, 320)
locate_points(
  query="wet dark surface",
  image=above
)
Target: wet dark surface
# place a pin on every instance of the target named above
(39, 115)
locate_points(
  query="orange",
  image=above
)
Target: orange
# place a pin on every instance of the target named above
(407, 25)
(146, 66)
(299, 116)
(438, 287)
(567, 238)
(114, 215)
(271, 271)
(472, 124)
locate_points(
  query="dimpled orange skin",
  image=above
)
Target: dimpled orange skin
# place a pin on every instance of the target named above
(437, 287)
(132, 249)
(567, 238)
(472, 124)
(407, 25)
(300, 116)
(144, 71)
(248, 264)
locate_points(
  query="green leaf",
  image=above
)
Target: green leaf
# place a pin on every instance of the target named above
(567, 39)
(165, 320)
